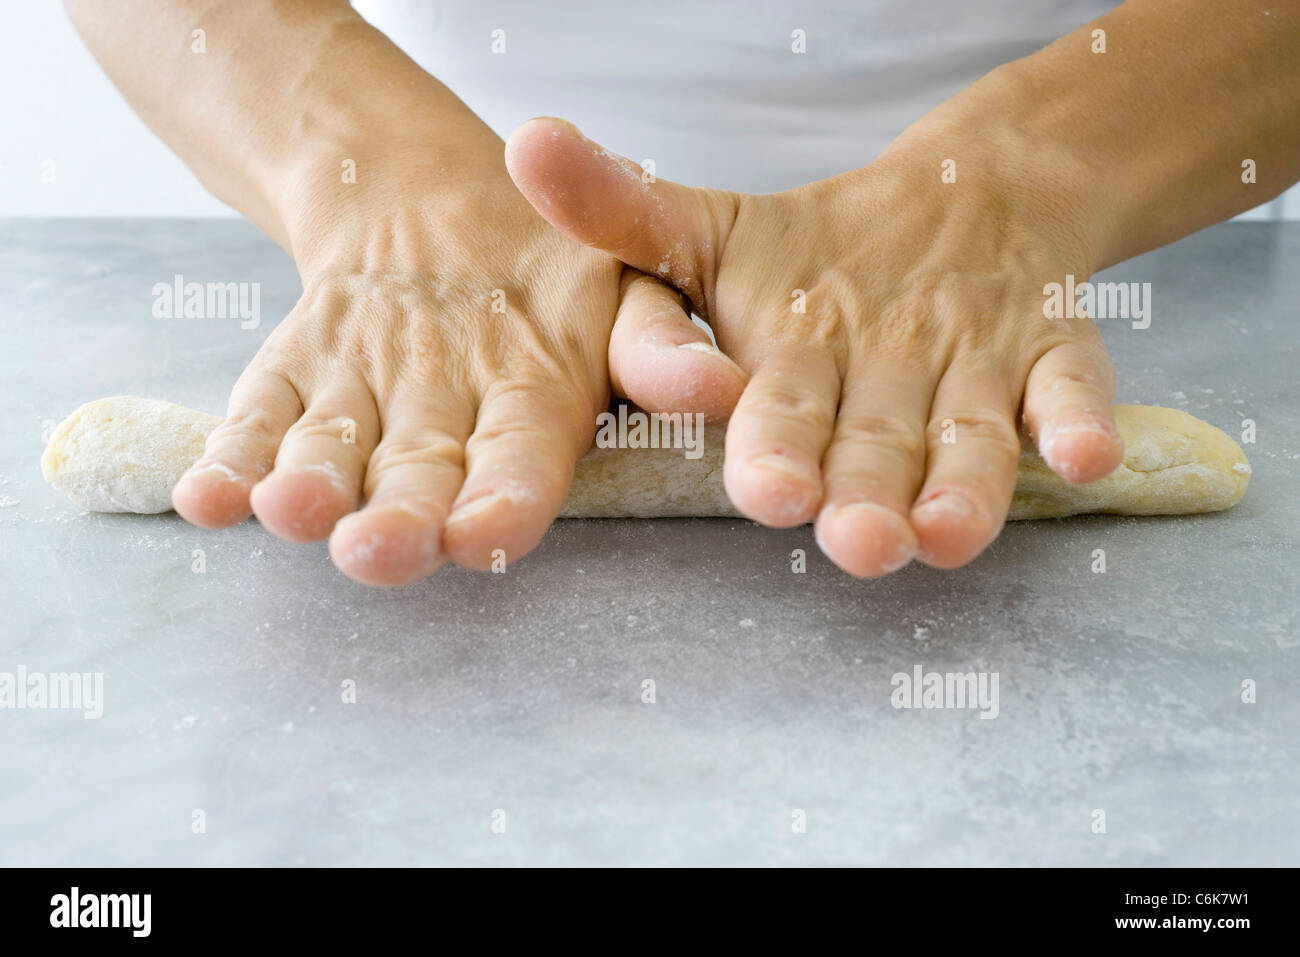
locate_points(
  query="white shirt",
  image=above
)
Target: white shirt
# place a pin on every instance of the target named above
(713, 91)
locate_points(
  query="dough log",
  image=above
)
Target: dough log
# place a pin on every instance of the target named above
(124, 454)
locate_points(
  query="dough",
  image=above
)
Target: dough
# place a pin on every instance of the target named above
(1174, 464)
(124, 454)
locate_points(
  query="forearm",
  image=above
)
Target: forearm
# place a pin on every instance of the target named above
(280, 98)
(1144, 143)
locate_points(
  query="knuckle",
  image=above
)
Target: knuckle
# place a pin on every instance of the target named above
(903, 323)
(546, 405)
(541, 445)
(823, 326)
(255, 425)
(883, 431)
(316, 423)
(990, 429)
(426, 347)
(835, 296)
(793, 405)
(1076, 380)
(419, 448)
(1040, 337)
(824, 329)
(520, 433)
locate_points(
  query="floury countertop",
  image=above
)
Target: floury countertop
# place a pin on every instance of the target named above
(501, 719)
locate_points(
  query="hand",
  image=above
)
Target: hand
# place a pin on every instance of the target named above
(922, 321)
(445, 363)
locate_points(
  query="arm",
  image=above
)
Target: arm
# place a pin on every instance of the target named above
(282, 94)
(1152, 133)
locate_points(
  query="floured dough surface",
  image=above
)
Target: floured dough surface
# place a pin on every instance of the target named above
(124, 454)
(1173, 464)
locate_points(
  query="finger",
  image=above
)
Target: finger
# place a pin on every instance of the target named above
(519, 462)
(667, 230)
(321, 463)
(214, 492)
(411, 480)
(874, 468)
(1068, 402)
(778, 434)
(663, 361)
(972, 452)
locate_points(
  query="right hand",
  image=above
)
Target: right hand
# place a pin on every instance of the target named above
(892, 326)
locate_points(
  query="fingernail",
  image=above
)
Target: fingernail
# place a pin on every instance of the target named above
(862, 508)
(1052, 432)
(904, 556)
(476, 507)
(573, 127)
(787, 467)
(328, 469)
(904, 552)
(947, 504)
(230, 475)
(714, 351)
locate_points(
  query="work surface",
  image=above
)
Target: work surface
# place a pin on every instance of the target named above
(506, 719)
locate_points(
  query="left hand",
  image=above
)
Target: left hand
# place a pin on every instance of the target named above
(886, 409)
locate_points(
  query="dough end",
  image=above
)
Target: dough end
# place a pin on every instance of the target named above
(124, 453)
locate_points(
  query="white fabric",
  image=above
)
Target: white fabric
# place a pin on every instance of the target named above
(711, 90)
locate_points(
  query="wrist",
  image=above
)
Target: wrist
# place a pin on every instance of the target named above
(998, 146)
(348, 151)
(337, 185)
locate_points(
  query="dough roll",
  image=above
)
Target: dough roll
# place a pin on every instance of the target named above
(124, 454)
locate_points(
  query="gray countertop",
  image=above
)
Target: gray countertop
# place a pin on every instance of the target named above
(522, 693)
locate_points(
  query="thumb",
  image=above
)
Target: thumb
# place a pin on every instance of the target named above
(669, 231)
(664, 362)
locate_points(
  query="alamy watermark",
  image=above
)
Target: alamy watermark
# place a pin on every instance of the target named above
(55, 691)
(129, 911)
(1101, 300)
(651, 430)
(953, 690)
(208, 300)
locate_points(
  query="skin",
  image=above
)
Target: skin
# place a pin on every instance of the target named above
(924, 298)
(393, 382)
